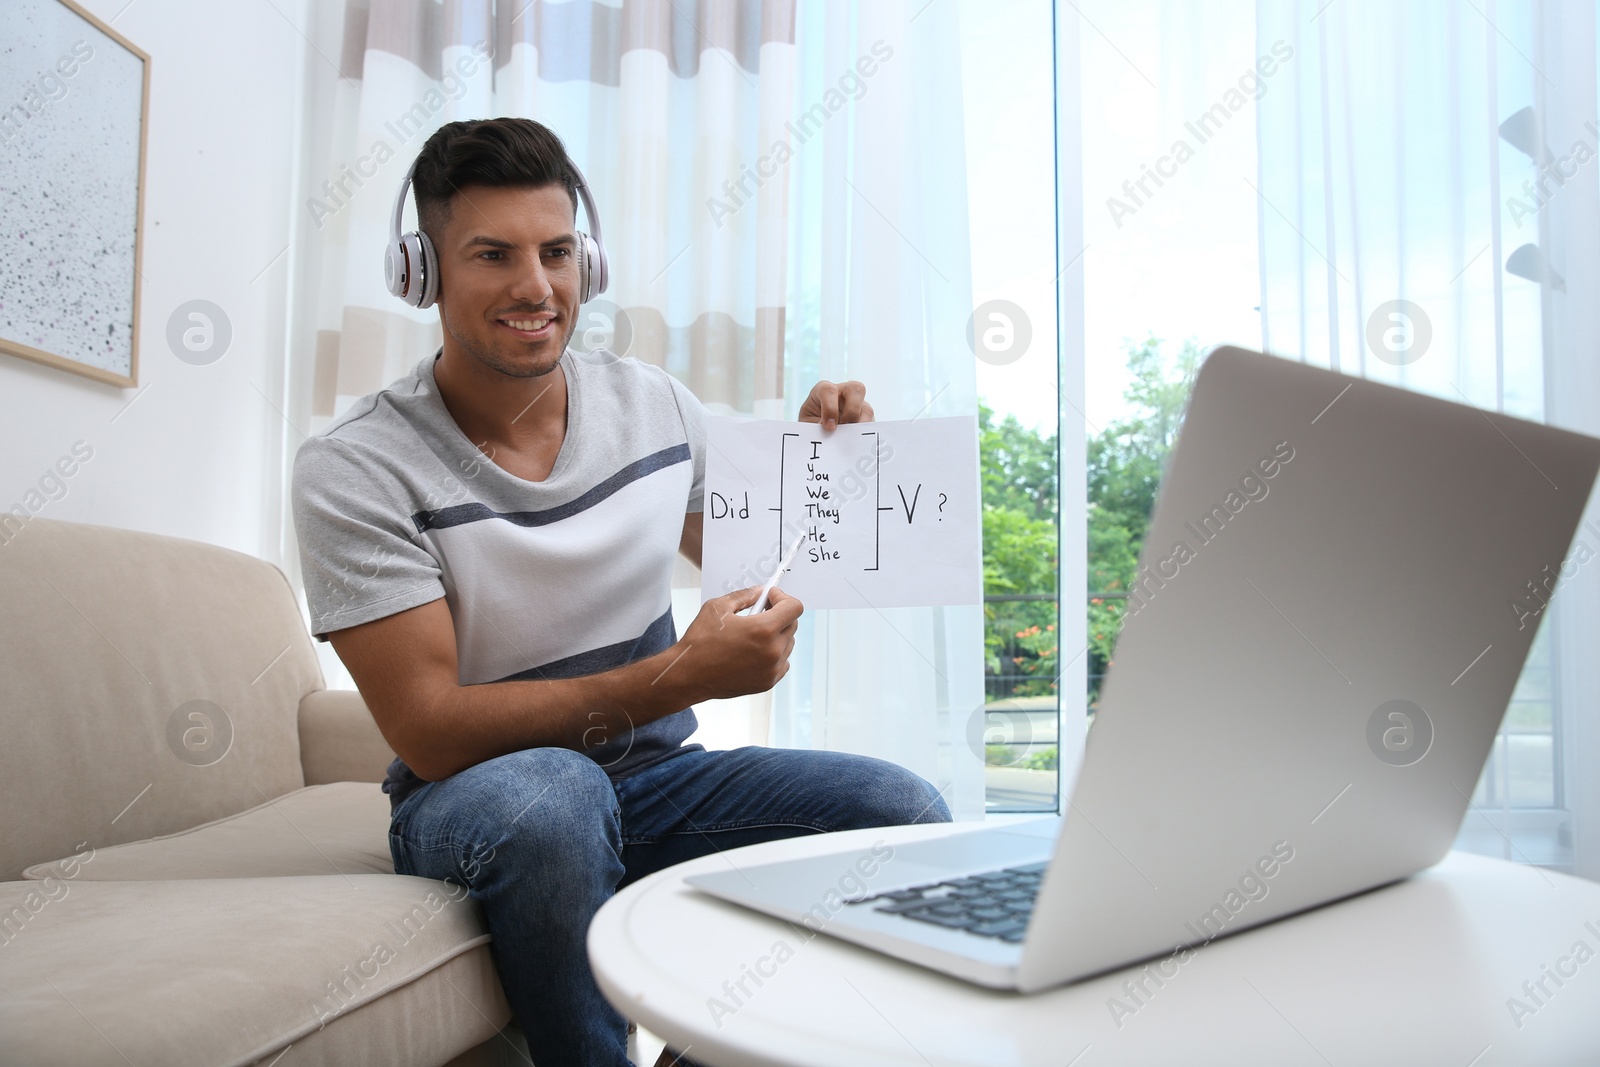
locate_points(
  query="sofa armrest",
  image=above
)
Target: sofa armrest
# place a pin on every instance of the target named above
(339, 741)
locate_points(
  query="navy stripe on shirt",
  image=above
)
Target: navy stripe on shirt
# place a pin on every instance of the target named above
(657, 636)
(461, 514)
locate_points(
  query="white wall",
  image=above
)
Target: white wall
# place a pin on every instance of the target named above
(201, 452)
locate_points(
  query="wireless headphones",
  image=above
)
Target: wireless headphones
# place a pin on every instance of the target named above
(411, 266)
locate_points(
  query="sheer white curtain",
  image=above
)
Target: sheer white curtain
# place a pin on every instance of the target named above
(1401, 159)
(1565, 48)
(880, 291)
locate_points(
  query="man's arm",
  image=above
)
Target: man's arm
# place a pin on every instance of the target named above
(694, 532)
(405, 667)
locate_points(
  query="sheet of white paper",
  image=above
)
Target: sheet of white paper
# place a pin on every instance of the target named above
(889, 511)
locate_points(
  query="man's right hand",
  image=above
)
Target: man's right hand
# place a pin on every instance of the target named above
(731, 655)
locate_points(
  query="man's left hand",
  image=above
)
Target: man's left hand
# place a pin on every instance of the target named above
(831, 403)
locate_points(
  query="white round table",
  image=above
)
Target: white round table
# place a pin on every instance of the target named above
(1430, 970)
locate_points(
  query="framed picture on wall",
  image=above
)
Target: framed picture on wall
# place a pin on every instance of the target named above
(74, 100)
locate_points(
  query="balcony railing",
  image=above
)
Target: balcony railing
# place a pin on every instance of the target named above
(1021, 670)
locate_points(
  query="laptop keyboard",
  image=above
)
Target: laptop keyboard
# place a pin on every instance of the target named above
(992, 904)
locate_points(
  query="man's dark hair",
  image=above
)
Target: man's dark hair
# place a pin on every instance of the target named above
(494, 152)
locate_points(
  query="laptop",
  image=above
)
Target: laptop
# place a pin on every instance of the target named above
(1339, 586)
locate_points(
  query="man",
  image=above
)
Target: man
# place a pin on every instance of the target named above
(488, 543)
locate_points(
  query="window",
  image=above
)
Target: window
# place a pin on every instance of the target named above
(1174, 229)
(1007, 72)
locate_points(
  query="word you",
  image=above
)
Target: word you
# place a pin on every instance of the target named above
(1252, 888)
(850, 886)
(51, 84)
(852, 83)
(51, 486)
(1251, 84)
(1251, 488)
(416, 119)
(1564, 970)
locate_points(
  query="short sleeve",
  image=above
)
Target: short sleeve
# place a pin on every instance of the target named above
(694, 424)
(359, 555)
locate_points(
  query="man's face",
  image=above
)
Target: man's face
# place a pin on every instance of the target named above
(508, 261)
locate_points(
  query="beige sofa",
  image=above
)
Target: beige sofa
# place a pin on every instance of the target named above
(194, 860)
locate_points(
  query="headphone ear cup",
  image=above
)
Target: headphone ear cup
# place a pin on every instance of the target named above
(585, 255)
(421, 270)
(411, 269)
(394, 268)
(430, 271)
(599, 273)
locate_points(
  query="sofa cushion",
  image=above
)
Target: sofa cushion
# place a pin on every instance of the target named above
(351, 969)
(341, 828)
(151, 683)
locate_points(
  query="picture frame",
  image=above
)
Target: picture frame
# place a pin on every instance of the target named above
(73, 145)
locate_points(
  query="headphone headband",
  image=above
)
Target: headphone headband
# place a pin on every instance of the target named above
(400, 205)
(588, 205)
(597, 274)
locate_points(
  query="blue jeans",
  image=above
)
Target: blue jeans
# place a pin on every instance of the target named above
(542, 837)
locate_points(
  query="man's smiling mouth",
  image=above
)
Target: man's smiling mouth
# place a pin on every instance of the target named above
(531, 327)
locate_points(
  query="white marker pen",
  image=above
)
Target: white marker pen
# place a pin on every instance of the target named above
(761, 602)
